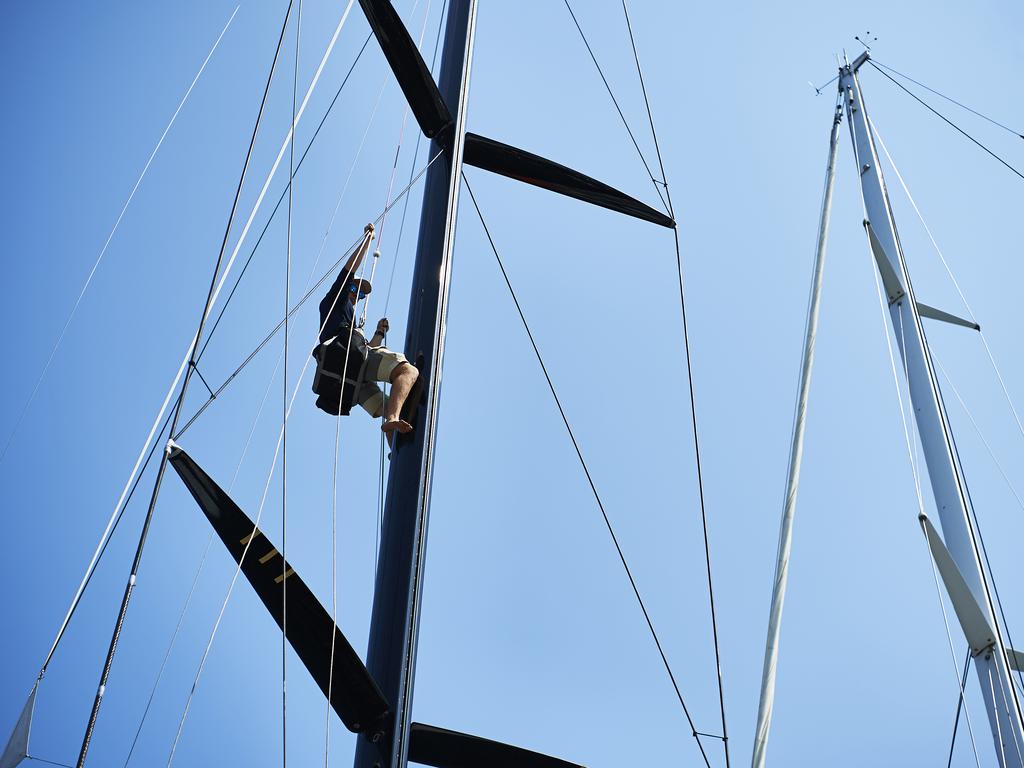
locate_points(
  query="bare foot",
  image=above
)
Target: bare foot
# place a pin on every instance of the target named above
(396, 425)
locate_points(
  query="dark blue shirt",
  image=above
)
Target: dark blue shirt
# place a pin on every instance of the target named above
(343, 310)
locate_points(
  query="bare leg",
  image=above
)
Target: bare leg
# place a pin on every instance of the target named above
(402, 379)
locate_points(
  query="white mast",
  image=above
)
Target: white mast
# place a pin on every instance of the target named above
(771, 650)
(956, 557)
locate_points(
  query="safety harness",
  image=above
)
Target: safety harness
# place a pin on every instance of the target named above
(336, 359)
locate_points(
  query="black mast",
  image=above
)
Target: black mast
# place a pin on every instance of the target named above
(394, 628)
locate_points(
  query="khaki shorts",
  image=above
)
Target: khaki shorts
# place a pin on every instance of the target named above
(380, 364)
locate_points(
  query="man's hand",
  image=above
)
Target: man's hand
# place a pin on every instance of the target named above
(382, 326)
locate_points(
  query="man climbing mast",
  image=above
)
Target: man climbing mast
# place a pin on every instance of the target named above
(376, 363)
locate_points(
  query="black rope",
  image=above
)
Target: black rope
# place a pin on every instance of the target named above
(202, 378)
(590, 479)
(615, 101)
(959, 706)
(689, 379)
(945, 119)
(950, 99)
(48, 762)
(284, 193)
(711, 735)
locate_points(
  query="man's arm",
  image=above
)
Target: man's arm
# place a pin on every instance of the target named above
(347, 272)
(357, 258)
(378, 336)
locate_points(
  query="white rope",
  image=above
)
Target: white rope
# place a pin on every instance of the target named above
(286, 143)
(238, 568)
(238, 467)
(337, 448)
(899, 390)
(977, 428)
(956, 284)
(110, 236)
(167, 653)
(334, 570)
(284, 405)
(337, 427)
(203, 559)
(188, 353)
(348, 177)
(394, 166)
(367, 236)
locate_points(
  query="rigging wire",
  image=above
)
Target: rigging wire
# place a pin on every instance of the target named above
(281, 198)
(690, 387)
(959, 706)
(187, 358)
(344, 375)
(984, 552)
(412, 168)
(394, 165)
(913, 437)
(590, 480)
(995, 122)
(912, 454)
(952, 277)
(394, 261)
(960, 681)
(110, 236)
(298, 305)
(167, 653)
(35, 759)
(284, 403)
(995, 368)
(945, 119)
(211, 297)
(340, 296)
(203, 559)
(981, 435)
(882, 304)
(334, 584)
(658, 183)
(103, 547)
(245, 552)
(337, 440)
(308, 280)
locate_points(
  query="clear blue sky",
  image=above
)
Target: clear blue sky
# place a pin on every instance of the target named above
(530, 634)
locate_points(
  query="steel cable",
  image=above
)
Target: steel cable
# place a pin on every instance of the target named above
(945, 119)
(590, 480)
(690, 388)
